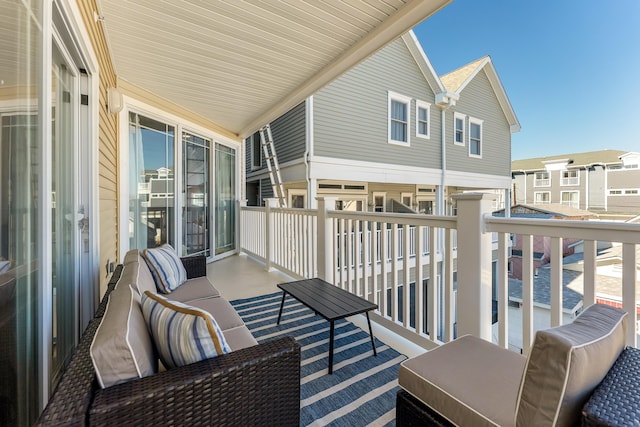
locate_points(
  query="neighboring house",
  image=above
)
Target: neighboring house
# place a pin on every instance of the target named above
(603, 182)
(390, 135)
(541, 245)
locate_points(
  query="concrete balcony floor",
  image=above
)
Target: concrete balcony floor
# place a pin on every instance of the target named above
(240, 276)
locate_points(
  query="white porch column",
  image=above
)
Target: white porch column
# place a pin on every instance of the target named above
(325, 238)
(312, 187)
(270, 203)
(474, 265)
(239, 205)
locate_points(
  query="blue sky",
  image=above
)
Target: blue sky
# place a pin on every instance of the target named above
(570, 68)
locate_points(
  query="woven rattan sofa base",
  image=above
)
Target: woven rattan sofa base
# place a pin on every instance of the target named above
(616, 401)
(410, 412)
(259, 385)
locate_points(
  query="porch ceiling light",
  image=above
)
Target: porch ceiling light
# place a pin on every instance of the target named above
(114, 100)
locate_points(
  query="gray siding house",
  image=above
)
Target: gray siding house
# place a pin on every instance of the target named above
(390, 135)
(603, 182)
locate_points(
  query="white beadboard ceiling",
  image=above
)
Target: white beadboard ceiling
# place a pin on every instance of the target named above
(242, 63)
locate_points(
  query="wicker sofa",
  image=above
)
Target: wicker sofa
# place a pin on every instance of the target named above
(471, 382)
(254, 384)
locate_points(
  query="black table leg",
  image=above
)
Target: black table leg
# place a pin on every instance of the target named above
(373, 345)
(284, 294)
(331, 348)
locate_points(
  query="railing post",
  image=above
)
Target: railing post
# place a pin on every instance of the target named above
(474, 265)
(239, 222)
(270, 229)
(325, 238)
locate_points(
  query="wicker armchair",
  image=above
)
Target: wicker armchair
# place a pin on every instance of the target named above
(259, 385)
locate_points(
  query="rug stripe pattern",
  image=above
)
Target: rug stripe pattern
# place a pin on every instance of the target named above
(362, 389)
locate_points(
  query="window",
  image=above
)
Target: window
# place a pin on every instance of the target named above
(570, 177)
(422, 119)
(196, 167)
(399, 107)
(570, 198)
(407, 199)
(542, 179)
(459, 120)
(425, 207)
(256, 151)
(475, 137)
(297, 198)
(379, 202)
(541, 197)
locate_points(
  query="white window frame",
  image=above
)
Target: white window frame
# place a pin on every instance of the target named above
(535, 179)
(410, 195)
(254, 166)
(384, 200)
(536, 202)
(424, 106)
(455, 128)
(570, 181)
(392, 96)
(474, 121)
(577, 203)
(296, 192)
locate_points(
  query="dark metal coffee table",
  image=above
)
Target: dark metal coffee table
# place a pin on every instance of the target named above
(330, 302)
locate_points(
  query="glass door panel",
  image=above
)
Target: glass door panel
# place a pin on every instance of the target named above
(225, 199)
(151, 182)
(63, 212)
(196, 155)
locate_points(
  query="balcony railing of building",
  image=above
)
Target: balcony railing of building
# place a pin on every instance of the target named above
(364, 253)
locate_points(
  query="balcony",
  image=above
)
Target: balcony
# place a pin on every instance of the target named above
(350, 250)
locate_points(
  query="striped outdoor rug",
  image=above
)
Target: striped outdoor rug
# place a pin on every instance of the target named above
(362, 389)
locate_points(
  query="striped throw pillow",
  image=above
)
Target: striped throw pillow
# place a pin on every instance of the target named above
(182, 334)
(166, 268)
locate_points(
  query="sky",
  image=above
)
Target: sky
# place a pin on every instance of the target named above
(571, 69)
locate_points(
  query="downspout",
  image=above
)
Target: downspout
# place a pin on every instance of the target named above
(307, 147)
(586, 188)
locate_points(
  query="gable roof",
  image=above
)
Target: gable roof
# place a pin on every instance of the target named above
(548, 210)
(457, 80)
(576, 160)
(242, 64)
(416, 50)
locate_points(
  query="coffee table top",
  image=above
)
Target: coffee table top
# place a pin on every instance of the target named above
(327, 300)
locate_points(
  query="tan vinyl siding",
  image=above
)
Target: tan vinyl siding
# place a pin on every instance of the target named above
(108, 146)
(351, 114)
(479, 101)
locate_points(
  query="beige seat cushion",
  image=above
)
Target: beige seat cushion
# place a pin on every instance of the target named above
(122, 349)
(567, 363)
(469, 381)
(224, 313)
(193, 290)
(239, 338)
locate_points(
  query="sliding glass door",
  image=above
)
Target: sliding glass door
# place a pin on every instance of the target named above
(201, 218)
(225, 216)
(151, 182)
(196, 160)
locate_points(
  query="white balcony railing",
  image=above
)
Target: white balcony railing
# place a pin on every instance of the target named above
(364, 254)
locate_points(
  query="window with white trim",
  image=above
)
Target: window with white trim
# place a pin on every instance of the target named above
(379, 201)
(475, 137)
(399, 121)
(458, 128)
(541, 197)
(422, 119)
(297, 198)
(407, 199)
(570, 198)
(542, 179)
(570, 177)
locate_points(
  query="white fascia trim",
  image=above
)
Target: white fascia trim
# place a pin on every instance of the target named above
(416, 50)
(425, 106)
(477, 180)
(355, 170)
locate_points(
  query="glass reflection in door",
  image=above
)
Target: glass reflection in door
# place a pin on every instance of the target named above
(196, 155)
(63, 212)
(225, 199)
